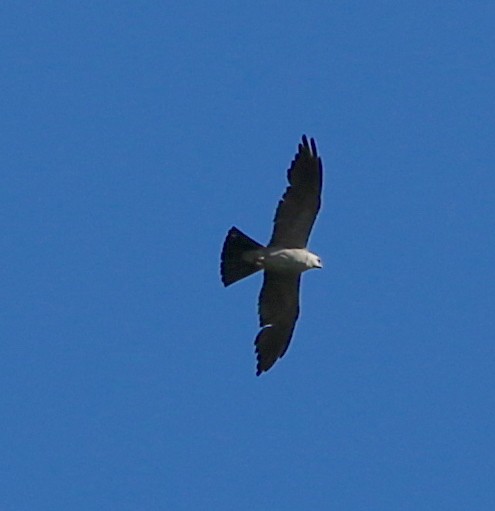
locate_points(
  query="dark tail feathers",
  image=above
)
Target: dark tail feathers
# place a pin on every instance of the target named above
(233, 267)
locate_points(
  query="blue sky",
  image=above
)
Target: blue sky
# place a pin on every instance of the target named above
(133, 137)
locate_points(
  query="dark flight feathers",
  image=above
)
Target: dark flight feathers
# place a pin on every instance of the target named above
(296, 213)
(278, 308)
(297, 210)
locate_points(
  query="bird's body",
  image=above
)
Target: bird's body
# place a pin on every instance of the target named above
(283, 260)
(292, 260)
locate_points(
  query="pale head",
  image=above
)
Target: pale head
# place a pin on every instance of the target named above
(314, 261)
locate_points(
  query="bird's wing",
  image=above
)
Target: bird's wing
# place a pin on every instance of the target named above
(278, 308)
(296, 212)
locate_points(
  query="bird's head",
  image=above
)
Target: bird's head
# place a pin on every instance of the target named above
(314, 261)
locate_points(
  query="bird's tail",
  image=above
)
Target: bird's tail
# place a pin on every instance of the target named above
(234, 267)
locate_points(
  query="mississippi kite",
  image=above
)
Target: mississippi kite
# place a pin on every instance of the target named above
(283, 260)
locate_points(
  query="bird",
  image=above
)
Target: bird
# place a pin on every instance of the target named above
(283, 260)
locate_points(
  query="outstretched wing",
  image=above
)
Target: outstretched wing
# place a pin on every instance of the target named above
(296, 212)
(278, 308)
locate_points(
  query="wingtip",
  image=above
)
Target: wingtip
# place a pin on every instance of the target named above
(310, 146)
(259, 369)
(271, 344)
(313, 148)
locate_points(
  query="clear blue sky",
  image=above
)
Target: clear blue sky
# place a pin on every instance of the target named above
(133, 136)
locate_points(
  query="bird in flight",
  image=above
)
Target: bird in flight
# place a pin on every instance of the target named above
(283, 260)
